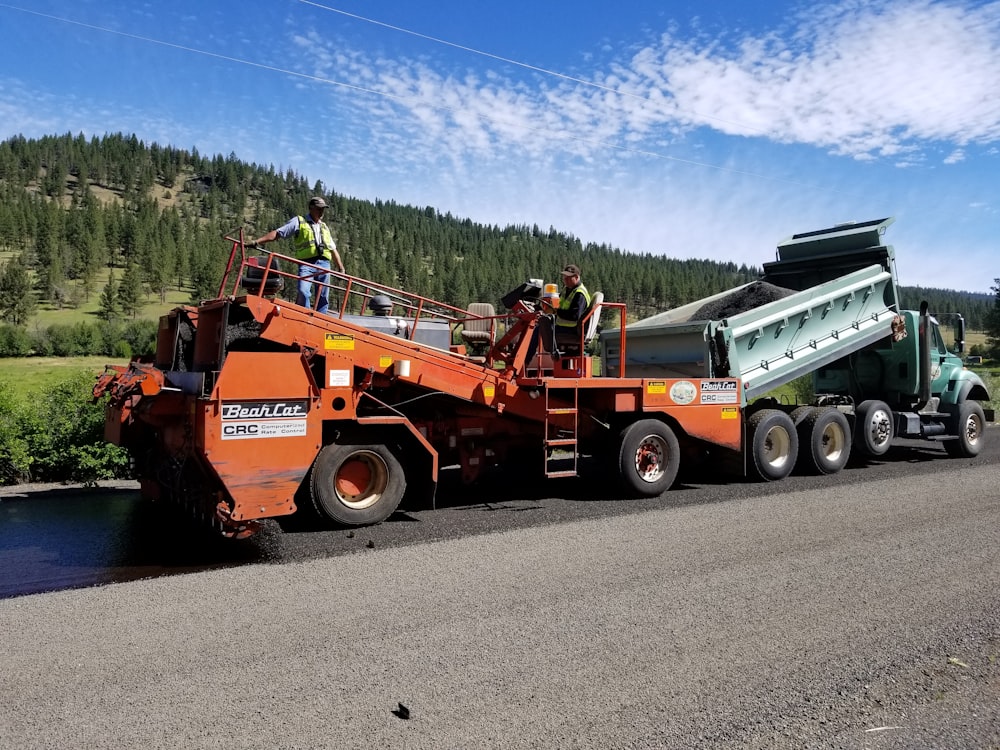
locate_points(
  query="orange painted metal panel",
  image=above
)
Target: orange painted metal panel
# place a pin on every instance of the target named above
(705, 408)
(262, 431)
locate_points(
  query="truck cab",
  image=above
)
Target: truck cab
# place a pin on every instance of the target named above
(891, 369)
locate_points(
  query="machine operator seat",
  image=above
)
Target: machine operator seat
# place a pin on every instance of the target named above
(477, 333)
(254, 275)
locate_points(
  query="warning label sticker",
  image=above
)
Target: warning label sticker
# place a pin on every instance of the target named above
(339, 342)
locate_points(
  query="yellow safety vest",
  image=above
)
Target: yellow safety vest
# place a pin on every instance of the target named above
(305, 241)
(564, 304)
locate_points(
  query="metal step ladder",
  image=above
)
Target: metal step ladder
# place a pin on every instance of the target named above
(561, 433)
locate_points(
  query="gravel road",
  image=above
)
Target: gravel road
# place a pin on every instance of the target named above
(866, 617)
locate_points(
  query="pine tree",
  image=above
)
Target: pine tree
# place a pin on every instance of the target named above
(109, 299)
(130, 291)
(993, 323)
(17, 301)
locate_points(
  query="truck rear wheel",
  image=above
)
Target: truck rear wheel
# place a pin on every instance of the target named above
(873, 429)
(649, 457)
(357, 485)
(774, 444)
(824, 441)
(969, 423)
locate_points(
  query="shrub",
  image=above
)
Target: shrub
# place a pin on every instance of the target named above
(63, 432)
(141, 336)
(14, 341)
(87, 339)
(15, 454)
(41, 345)
(56, 434)
(62, 340)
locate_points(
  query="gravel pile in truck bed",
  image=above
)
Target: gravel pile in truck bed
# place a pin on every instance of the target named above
(740, 301)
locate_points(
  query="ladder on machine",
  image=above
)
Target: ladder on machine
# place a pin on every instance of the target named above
(562, 425)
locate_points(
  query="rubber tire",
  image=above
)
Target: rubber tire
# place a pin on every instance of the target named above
(799, 413)
(641, 441)
(873, 428)
(969, 425)
(824, 442)
(375, 465)
(773, 443)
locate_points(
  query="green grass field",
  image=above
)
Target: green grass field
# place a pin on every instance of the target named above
(47, 314)
(29, 375)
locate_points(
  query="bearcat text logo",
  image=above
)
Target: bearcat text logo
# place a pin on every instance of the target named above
(718, 385)
(265, 410)
(719, 391)
(264, 419)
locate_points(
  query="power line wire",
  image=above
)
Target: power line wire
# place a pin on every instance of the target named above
(527, 66)
(407, 99)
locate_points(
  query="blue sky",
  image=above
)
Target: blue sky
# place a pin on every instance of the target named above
(709, 129)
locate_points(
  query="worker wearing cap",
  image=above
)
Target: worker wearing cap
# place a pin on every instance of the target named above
(563, 327)
(573, 306)
(313, 243)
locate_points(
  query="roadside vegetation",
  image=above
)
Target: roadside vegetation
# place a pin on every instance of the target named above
(50, 431)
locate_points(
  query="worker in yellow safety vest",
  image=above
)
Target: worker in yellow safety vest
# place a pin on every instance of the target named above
(314, 246)
(563, 325)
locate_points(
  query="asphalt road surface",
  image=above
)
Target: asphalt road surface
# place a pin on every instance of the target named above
(855, 611)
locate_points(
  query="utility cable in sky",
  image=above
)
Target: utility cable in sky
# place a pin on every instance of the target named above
(527, 66)
(411, 100)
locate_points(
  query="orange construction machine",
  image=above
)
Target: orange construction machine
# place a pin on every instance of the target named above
(255, 407)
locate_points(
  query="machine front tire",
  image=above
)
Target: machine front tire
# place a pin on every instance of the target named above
(774, 444)
(357, 485)
(969, 425)
(824, 441)
(649, 457)
(873, 428)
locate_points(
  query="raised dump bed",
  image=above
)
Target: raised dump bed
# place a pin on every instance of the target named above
(766, 334)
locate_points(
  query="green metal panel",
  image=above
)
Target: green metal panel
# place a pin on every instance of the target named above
(842, 238)
(776, 343)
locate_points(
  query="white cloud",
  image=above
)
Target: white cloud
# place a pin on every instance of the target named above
(849, 95)
(867, 80)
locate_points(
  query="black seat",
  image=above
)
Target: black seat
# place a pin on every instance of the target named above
(254, 274)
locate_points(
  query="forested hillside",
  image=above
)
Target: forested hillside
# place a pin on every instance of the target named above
(112, 226)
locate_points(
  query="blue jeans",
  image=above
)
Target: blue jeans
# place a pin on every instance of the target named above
(306, 279)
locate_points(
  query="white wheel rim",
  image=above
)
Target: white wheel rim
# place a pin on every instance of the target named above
(777, 447)
(973, 430)
(650, 458)
(834, 441)
(881, 428)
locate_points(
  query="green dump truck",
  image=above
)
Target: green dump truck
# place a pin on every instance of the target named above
(828, 307)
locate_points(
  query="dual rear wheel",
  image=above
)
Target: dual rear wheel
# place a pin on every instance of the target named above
(816, 440)
(824, 441)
